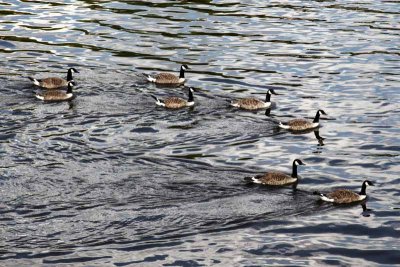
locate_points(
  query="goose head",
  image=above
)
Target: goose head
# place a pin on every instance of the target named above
(73, 70)
(298, 162)
(185, 67)
(368, 183)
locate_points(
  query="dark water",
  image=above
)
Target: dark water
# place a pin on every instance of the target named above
(113, 180)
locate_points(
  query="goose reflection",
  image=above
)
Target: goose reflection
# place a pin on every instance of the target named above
(365, 210)
(317, 135)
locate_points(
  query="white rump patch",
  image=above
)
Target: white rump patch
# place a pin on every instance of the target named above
(283, 126)
(39, 97)
(36, 82)
(327, 199)
(151, 79)
(159, 103)
(255, 180)
(234, 104)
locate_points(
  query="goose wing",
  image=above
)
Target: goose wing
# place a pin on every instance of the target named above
(250, 103)
(175, 102)
(344, 196)
(53, 82)
(275, 178)
(298, 123)
(166, 77)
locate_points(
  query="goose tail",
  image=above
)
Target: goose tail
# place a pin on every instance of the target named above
(323, 197)
(159, 102)
(39, 96)
(233, 103)
(283, 126)
(35, 82)
(149, 78)
(252, 180)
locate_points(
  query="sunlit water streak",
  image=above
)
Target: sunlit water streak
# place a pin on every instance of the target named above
(111, 179)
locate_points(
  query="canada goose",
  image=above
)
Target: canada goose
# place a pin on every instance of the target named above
(302, 124)
(176, 102)
(344, 196)
(253, 103)
(54, 82)
(277, 178)
(57, 95)
(168, 78)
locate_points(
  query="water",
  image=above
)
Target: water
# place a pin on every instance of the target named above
(113, 180)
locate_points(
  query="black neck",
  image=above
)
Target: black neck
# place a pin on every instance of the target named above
(316, 119)
(363, 189)
(294, 170)
(69, 91)
(182, 73)
(190, 96)
(268, 97)
(69, 75)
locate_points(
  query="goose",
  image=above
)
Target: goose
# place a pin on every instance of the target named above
(57, 95)
(345, 196)
(302, 124)
(276, 178)
(168, 78)
(176, 102)
(254, 103)
(54, 82)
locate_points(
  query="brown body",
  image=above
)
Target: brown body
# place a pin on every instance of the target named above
(52, 82)
(249, 103)
(301, 124)
(276, 178)
(175, 102)
(343, 196)
(168, 78)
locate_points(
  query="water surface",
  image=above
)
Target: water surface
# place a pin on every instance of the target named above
(112, 180)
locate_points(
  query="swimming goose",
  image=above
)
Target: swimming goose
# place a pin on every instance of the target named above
(176, 102)
(57, 95)
(344, 196)
(302, 124)
(253, 103)
(54, 82)
(277, 178)
(168, 78)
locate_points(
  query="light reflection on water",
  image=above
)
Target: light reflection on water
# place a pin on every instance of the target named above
(115, 180)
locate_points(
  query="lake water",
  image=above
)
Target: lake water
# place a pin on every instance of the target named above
(113, 180)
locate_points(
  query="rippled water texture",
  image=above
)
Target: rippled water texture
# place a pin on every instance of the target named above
(112, 180)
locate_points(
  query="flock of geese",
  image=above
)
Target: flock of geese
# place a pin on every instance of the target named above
(51, 92)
